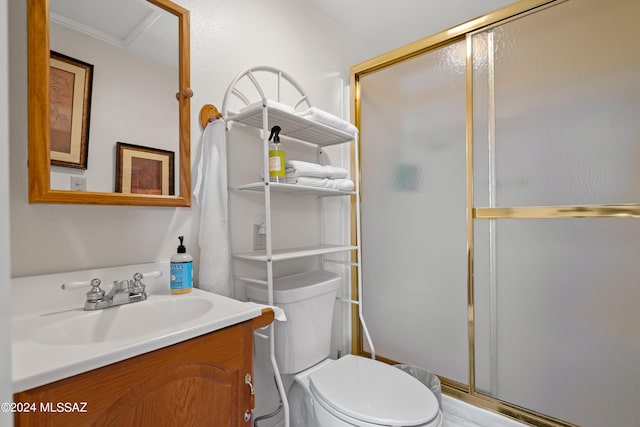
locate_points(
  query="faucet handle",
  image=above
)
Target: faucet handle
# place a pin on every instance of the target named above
(95, 294)
(138, 286)
(149, 275)
(72, 286)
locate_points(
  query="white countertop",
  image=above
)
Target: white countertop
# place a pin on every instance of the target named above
(38, 302)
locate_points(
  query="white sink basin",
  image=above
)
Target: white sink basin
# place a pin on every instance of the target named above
(123, 322)
(54, 338)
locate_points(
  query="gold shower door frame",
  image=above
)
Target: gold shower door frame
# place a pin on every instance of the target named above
(465, 32)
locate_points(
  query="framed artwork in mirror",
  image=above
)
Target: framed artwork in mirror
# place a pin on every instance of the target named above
(144, 170)
(70, 86)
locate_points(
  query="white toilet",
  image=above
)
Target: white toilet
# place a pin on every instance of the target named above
(350, 391)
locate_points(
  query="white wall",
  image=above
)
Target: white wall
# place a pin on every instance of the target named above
(387, 25)
(6, 419)
(226, 38)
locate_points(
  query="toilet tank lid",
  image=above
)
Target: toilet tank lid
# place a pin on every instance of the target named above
(374, 392)
(296, 287)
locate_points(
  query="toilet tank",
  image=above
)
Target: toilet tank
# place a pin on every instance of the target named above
(307, 299)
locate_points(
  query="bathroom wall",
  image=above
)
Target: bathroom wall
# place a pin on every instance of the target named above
(5, 306)
(226, 38)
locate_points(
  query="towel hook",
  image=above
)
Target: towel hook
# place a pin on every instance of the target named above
(209, 113)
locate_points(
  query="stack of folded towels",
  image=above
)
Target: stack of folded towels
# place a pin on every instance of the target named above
(320, 116)
(315, 175)
(314, 114)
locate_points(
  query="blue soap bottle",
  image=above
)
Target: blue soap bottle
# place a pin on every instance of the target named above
(181, 270)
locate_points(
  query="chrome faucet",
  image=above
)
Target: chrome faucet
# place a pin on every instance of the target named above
(122, 292)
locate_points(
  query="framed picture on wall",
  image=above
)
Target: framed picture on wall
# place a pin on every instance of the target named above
(70, 86)
(144, 170)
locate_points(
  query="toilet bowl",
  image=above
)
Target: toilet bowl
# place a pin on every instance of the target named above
(349, 391)
(356, 391)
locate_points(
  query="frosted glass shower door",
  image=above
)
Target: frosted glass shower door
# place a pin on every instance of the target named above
(556, 110)
(556, 124)
(413, 211)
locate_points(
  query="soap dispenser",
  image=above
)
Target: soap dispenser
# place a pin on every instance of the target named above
(277, 170)
(181, 270)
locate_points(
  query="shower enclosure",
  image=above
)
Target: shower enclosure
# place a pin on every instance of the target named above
(500, 170)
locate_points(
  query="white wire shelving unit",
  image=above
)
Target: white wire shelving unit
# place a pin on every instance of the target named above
(263, 116)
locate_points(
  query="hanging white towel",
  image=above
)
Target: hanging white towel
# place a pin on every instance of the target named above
(210, 193)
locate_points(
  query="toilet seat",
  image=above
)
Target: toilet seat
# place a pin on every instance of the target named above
(373, 392)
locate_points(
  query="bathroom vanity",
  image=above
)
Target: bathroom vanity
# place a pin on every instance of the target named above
(126, 365)
(198, 382)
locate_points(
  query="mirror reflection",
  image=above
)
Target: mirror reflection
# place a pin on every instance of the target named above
(114, 75)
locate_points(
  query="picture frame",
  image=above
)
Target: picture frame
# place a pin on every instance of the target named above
(70, 89)
(144, 170)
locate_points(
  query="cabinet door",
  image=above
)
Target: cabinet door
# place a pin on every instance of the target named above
(199, 382)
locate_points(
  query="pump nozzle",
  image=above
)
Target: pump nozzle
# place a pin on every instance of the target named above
(275, 134)
(181, 248)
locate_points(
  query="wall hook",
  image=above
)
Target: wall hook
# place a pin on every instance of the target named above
(209, 113)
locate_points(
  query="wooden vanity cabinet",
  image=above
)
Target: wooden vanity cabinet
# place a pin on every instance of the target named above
(198, 382)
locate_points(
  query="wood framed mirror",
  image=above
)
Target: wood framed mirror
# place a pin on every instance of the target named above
(40, 170)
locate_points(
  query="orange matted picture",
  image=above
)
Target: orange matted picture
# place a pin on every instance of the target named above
(70, 86)
(144, 170)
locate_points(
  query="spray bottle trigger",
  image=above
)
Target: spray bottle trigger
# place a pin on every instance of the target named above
(275, 134)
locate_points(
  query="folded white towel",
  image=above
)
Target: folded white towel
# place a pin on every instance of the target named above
(301, 168)
(321, 116)
(310, 181)
(270, 104)
(334, 184)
